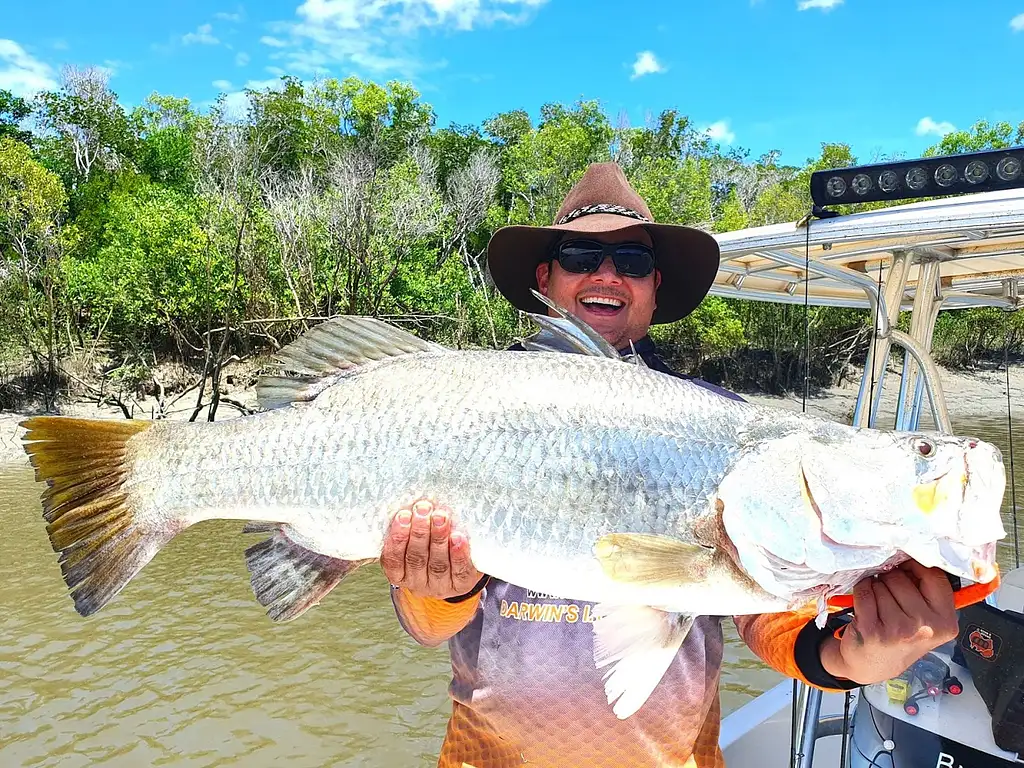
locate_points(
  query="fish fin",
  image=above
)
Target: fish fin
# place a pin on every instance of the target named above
(329, 351)
(634, 356)
(567, 333)
(647, 559)
(638, 643)
(547, 340)
(289, 579)
(90, 520)
(559, 335)
(821, 608)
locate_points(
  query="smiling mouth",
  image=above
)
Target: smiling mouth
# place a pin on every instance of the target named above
(602, 305)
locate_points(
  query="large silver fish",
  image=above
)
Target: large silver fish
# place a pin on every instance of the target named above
(579, 475)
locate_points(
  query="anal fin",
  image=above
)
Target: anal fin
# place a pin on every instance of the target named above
(289, 579)
(638, 643)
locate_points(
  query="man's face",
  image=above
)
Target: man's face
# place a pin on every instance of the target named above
(630, 318)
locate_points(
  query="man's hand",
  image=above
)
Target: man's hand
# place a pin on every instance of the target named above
(424, 555)
(898, 618)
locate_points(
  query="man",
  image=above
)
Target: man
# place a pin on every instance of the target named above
(524, 685)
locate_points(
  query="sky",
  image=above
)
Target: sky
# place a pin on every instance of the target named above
(885, 77)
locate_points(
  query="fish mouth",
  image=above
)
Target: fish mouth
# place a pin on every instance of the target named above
(974, 562)
(983, 563)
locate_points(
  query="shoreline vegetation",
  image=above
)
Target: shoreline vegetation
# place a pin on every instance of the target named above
(152, 256)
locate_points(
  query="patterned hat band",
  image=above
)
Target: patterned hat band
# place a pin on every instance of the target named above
(587, 210)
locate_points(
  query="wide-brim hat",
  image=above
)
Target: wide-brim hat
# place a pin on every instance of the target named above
(603, 201)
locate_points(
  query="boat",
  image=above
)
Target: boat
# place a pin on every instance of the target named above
(920, 257)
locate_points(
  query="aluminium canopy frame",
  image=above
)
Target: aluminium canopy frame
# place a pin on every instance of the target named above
(948, 253)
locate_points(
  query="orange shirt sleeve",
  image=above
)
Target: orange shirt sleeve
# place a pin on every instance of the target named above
(789, 643)
(429, 620)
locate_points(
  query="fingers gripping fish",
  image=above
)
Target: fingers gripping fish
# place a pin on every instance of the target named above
(584, 475)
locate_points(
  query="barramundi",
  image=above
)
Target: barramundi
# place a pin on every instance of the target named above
(584, 475)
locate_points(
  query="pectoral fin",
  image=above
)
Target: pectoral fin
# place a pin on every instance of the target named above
(652, 560)
(638, 643)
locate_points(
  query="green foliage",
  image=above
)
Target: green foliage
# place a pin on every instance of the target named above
(167, 129)
(981, 136)
(32, 246)
(452, 148)
(965, 336)
(159, 229)
(153, 266)
(732, 216)
(713, 329)
(86, 131)
(14, 110)
(543, 164)
(31, 197)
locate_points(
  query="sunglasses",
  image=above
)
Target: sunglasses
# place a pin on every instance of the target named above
(585, 256)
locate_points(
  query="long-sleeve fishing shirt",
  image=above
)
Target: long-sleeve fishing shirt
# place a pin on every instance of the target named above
(525, 689)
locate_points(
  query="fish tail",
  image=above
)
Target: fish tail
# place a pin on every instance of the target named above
(90, 521)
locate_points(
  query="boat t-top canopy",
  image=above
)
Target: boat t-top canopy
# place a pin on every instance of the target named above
(976, 240)
(945, 253)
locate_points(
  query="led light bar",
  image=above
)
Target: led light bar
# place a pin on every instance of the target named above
(925, 177)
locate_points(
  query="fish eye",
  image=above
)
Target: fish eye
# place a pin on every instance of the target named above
(924, 447)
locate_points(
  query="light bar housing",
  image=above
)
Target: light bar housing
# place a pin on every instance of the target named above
(924, 177)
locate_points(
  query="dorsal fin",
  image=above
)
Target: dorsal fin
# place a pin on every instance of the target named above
(634, 356)
(568, 333)
(330, 351)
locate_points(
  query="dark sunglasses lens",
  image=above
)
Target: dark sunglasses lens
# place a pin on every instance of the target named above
(580, 257)
(634, 261)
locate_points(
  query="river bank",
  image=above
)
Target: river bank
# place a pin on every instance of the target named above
(981, 392)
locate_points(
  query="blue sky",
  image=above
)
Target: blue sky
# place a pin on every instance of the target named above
(883, 76)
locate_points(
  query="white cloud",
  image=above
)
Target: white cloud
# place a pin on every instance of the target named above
(241, 58)
(203, 35)
(273, 42)
(261, 85)
(719, 131)
(113, 66)
(222, 85)
(408, 15)
(926, 126)
(1017, 23)
(825, 5)
(379, 35)
(21, 73)
(224, 16)
(645, 64)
